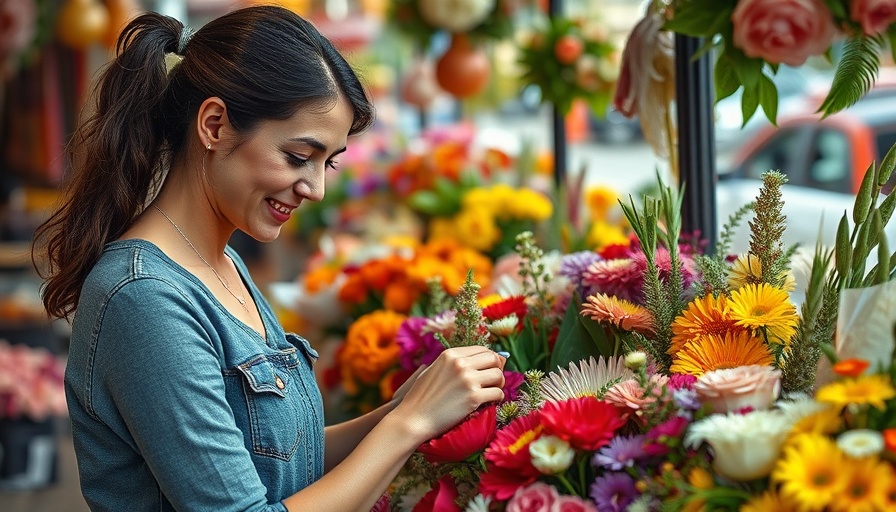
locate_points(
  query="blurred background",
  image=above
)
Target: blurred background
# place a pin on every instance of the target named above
(51, 49)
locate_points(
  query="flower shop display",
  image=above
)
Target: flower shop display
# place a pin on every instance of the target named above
(751, 38)
(570, 59)
(654, 376)
(31, 398)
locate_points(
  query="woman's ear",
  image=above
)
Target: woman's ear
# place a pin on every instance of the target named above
(210, 119)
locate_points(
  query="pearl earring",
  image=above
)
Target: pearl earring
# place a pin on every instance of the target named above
(208, 146)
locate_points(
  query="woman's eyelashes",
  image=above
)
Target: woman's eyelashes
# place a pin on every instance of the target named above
(298, 161)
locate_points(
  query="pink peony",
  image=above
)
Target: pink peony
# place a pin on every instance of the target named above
(875, 16)
(733, 389)
(567, 503)
(629, 395)
(782, 31)
(538, 497)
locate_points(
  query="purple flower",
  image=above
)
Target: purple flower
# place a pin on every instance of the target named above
(686, 399)
(573, 267)
(613, 492)
(620, 453)
(512, 383)
(416, 347)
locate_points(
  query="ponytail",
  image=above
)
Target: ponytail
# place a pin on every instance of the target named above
(118, 156)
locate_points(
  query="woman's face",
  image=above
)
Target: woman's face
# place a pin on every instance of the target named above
(258, 185)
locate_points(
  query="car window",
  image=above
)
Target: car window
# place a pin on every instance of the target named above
(785, 151)
(829, 167)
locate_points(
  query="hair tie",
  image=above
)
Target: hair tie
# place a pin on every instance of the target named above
(186, 33)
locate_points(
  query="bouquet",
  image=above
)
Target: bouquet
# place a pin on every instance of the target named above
(697, 392)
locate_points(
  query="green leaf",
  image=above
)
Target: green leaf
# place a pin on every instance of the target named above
(855, 73)
(891, 38)
(574, 341)
(862, 206)
(837, 9)
(748, 69)
(768, 98)
(886, 167)
(725, 78)
(749, 102)
(698, 18)
(430, 203)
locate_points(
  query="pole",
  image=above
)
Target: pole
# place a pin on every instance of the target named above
(696, 138)
(558, 125)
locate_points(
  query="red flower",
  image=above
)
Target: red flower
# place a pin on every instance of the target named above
(665, 436)
(501, 483)
(510, 447)
(515, 305)
(586, 423)
(465, 439)
(850, 367)
(440, 498)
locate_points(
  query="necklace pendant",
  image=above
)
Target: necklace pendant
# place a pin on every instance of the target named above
(242, 301)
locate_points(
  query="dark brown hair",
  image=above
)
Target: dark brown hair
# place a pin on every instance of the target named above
(265, 62)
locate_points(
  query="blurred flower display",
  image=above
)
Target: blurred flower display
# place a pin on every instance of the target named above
(30, 383)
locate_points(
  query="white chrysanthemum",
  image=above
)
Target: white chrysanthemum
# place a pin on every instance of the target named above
(643, 503)
(861, 442)
(588, 378)
(504, 326)
(733, 437)
(551, 455)
(479, 503)
(455, 15)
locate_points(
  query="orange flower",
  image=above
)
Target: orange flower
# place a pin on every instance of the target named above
(703, 317)
(400, 295)
(370, 348)
(850, 367)
(321, 277)
(621, 313)
(353, 290)
(890, 439)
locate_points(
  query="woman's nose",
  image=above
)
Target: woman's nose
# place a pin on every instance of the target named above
(312, 187)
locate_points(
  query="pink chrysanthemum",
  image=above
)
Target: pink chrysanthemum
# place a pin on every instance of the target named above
(620, 313)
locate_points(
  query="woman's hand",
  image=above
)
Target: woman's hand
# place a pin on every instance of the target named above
(454, 385)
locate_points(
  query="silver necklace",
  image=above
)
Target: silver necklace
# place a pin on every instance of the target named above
(223, 281)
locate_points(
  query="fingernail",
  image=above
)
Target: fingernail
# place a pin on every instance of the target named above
(503, 354)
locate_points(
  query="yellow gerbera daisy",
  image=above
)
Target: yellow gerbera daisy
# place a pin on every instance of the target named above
(756, 306)
(602, 234)
(811, 472)
(826, 421)
(599, 200)
(873, 390)
(704, 316)
(716, 352)
(747, 269)
(867, 485)
(621, 313)
(769, 501)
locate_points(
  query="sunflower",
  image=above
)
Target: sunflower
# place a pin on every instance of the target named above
(621, 313)
(811, 472)
(704, 316)
(867, 486)
(716, 352)
(761, 305)
(873, 390)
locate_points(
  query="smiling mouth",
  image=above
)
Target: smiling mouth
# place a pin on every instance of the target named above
(280, 207)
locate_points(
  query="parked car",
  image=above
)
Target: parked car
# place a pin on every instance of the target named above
(824, 160)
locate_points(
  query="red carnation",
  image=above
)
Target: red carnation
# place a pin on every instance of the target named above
(586, 423)
(465, 439)
(515, 305)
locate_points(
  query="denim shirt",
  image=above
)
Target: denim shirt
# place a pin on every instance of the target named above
(176, 404)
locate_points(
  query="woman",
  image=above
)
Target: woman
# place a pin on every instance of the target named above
(184, 392)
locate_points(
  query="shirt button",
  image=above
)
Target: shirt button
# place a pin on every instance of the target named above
(279, 382)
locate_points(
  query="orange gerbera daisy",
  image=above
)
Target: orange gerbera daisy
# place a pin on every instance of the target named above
(703, 317)
(713, 352)
(621, 313)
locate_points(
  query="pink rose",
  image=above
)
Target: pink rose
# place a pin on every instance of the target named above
(538, 497)
(875, 16)
(733, 389)
(787, 31)
(567, 503)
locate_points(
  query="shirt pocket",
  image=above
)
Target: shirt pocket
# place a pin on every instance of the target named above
(303, 346)
(275, 422)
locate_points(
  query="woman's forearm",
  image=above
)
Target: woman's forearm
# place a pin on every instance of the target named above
(342, 438)
(364, 473)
